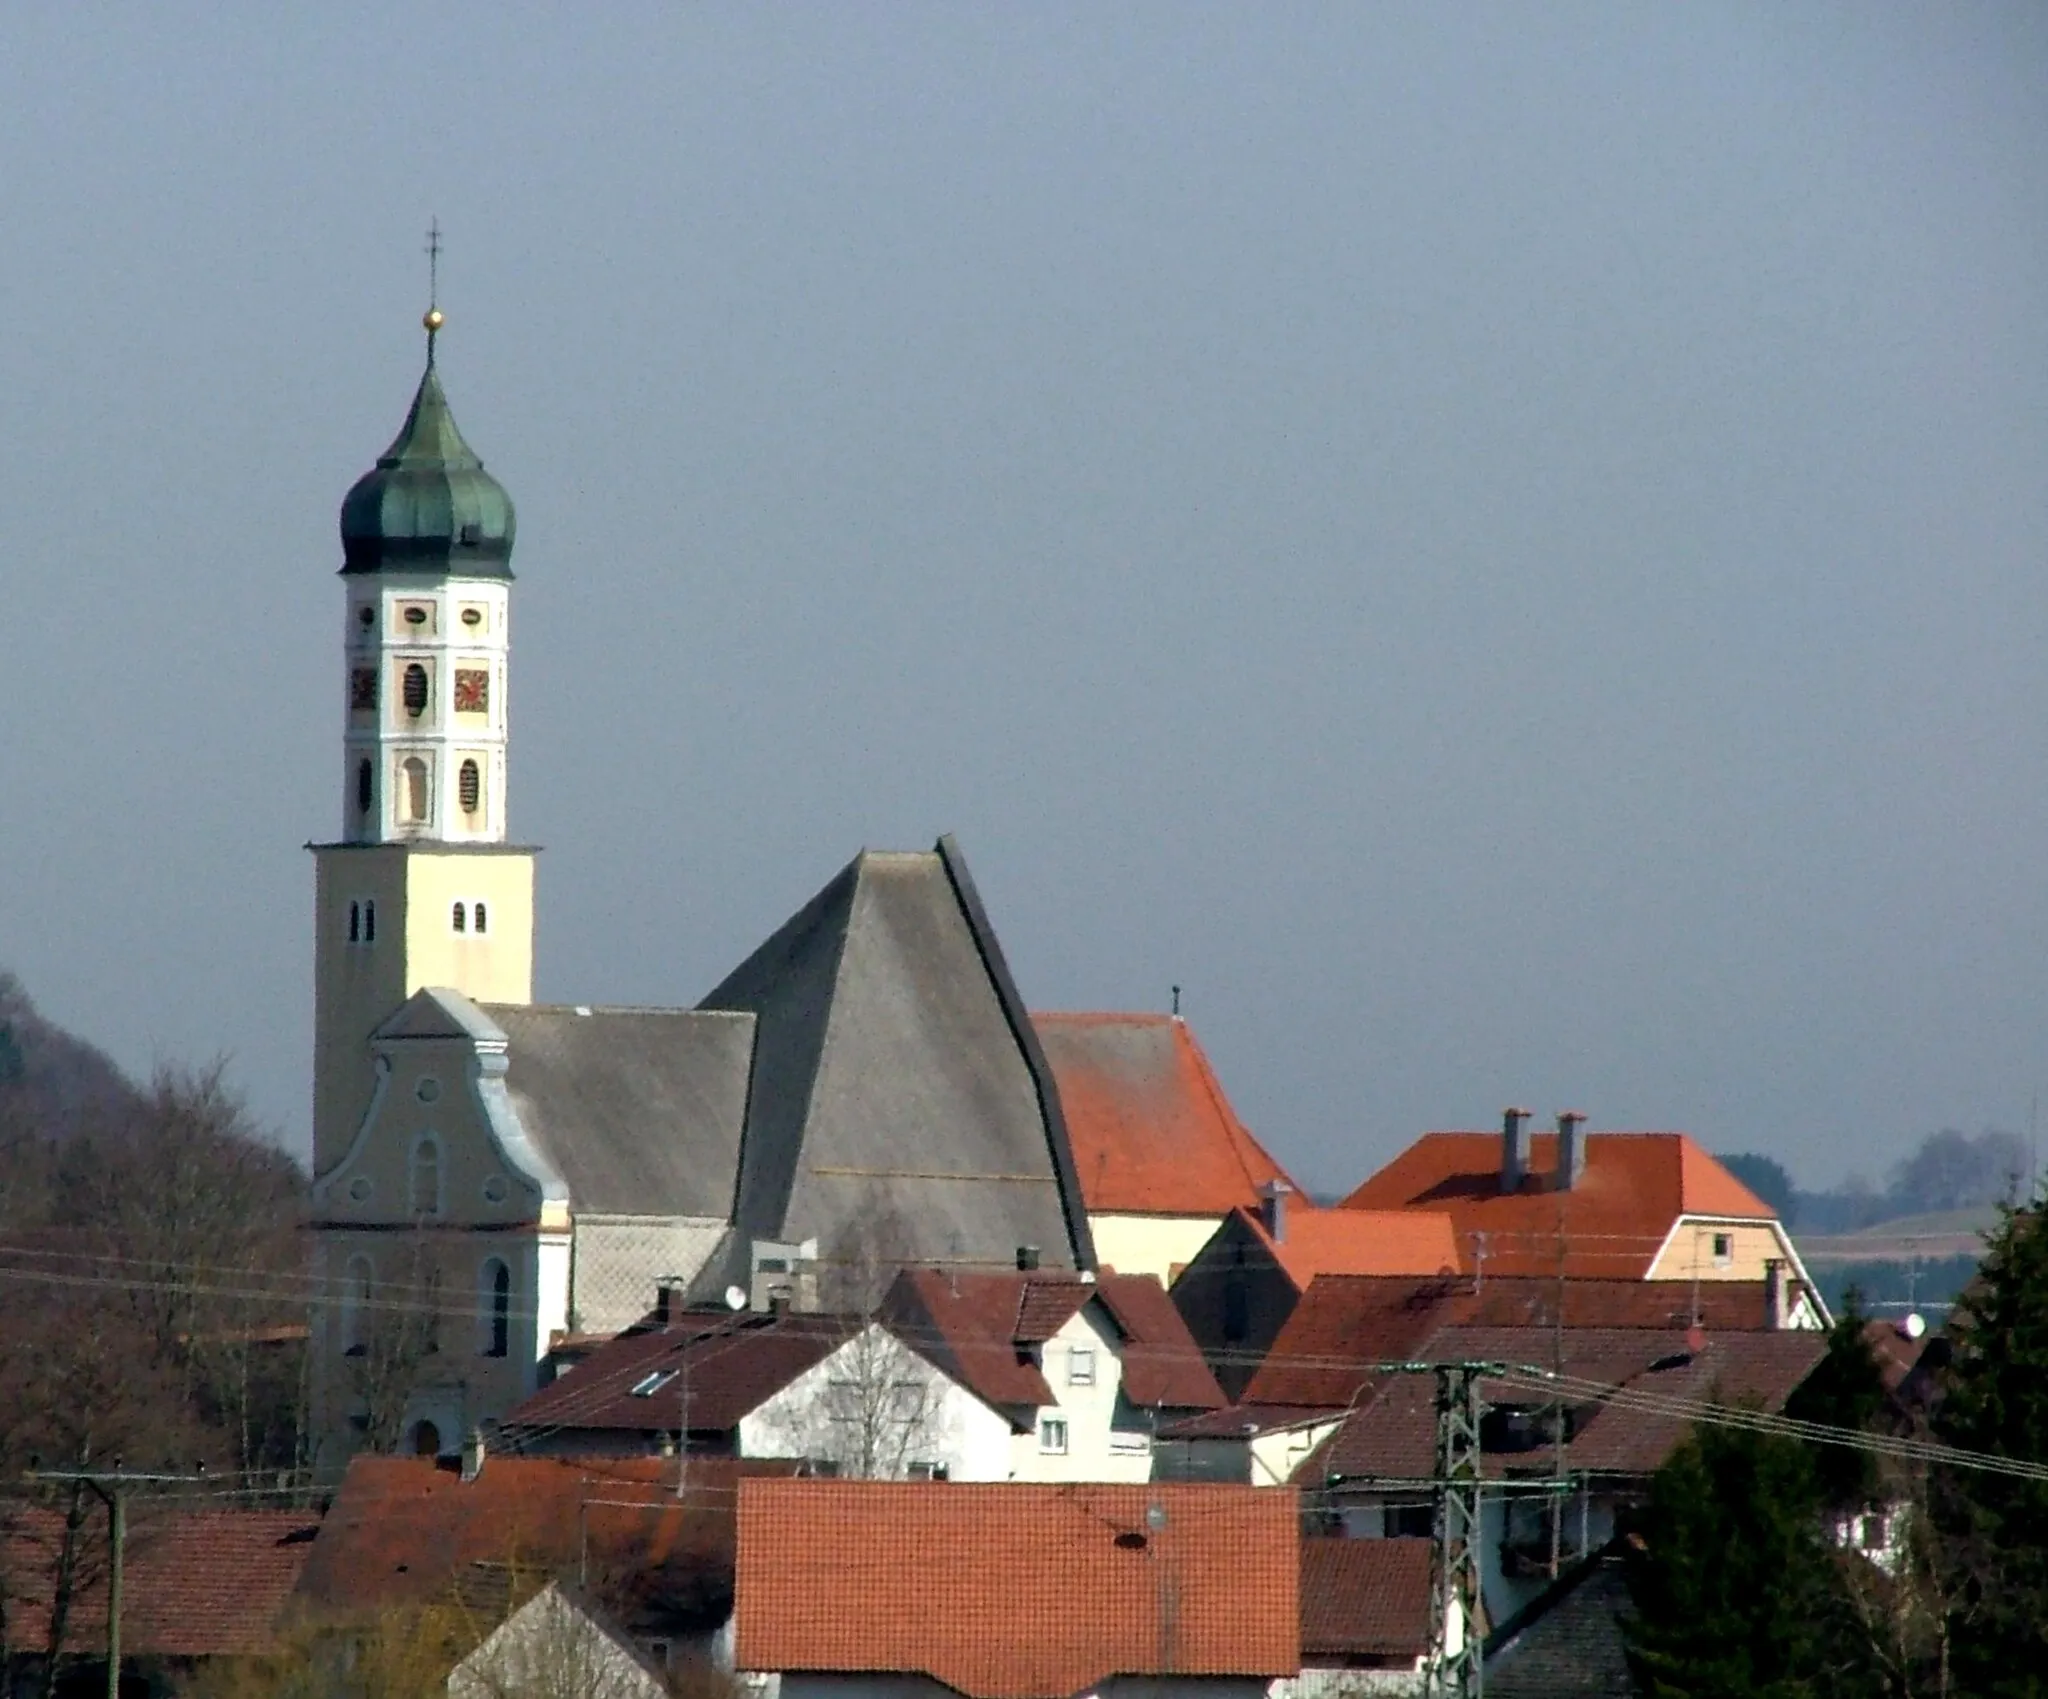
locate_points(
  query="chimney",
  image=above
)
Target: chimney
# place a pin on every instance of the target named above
(1514, 1148)
(472, 1454)
(1027, 1258)
(668, 1301)
(1571, 1149)
(1273, 1209)
(1777, 1312)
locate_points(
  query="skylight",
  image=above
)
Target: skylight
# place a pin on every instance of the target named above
(647, 1386)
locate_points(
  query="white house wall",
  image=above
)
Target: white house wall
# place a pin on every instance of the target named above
(1098, 1446)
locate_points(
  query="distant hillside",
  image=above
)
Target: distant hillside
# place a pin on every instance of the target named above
(52, 1083)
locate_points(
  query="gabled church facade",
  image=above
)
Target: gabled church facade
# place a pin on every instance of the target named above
(491, 1174)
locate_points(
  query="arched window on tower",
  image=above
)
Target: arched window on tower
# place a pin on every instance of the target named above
(469, 787)
(365, 786)
(355, 923)
(459, 918)
(370, 921)
(355, 1305)
(415, 775)
(482, 919)
(494, 1309)
(426, 1176)
(413, 690)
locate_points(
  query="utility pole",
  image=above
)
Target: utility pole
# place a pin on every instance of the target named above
(1456, 1549)
(111, 1486)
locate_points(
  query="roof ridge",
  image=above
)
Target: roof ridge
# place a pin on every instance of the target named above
(1183, 1035)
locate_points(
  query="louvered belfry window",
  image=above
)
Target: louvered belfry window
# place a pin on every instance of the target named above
(415, 689)
(469, 786)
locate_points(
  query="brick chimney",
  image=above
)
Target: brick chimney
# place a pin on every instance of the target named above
(1514, 1148)
(1571, 1149)
(1777, 1305)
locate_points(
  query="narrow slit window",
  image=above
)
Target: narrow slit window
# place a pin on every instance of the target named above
(497, 1308)
(469, 786)
(482, 919)
(459, 918)
(355, 1303)
(415, 689)
(355, 923)
(370, 922)
(365, 787)
(426, 1177)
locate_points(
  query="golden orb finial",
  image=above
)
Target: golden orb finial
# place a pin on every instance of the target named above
(433, 319)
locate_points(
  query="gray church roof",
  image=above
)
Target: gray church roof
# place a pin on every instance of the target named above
(898, 1083)
(640, 1110)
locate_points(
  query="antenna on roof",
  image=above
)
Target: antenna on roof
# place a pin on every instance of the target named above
(1176, 1002)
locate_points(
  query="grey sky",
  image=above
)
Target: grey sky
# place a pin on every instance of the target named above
(1504, 549)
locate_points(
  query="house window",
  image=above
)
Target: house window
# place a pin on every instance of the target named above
(426, 1176)
(906, 1400)
(414, 689)
(365, 787)
(355, 1305)
(459, 918)
(469, 786)
(1052, 1435)
(496, 1308)
(482, 919)
(1410, 1521)
(927, 1472)
(1081, 1366)
(1724, 1247)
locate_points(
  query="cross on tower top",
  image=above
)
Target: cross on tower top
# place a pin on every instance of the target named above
(433, 319)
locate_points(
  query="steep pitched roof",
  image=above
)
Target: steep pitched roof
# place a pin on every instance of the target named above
(1017, 1591)
(196, 1583)
(1364, 1599)
(1344, 1322)
(895, 1069)
(1153, 1133)
(980, 1328)
(1616, 1218)
(702, 1370)
(1633, 1392)
(639, 1109)
(403, 1530)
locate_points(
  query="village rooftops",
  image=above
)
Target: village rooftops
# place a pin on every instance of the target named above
(1016, 1591)
(1617, 1214)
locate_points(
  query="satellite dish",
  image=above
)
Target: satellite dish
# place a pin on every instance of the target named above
(735, 1297)
(1914, 1325)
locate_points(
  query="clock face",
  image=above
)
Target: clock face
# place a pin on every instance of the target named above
(472, 690)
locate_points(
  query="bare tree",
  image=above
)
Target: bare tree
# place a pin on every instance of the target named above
(400, 1332)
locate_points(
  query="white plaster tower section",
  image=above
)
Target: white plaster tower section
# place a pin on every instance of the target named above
(424, 746)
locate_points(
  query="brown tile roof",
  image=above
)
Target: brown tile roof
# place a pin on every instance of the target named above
(195, 1583)
(1344, 1322)
(1316, 1242)
(982, 1329)
(403, 1530)
(1635, 1186)
(728, 1365)
(1017, 1591)
(1151, 1130)
(1364, 1599)
(1633, 1392)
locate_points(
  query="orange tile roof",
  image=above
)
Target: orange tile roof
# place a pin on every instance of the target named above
(1152, 1132)
(1017, 1591)
(1357, 1241)
(1634, 1188)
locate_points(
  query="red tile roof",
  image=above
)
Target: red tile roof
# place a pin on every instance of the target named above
(1364, 1599)
(1151, 1130)
(1316, 1242)
(195, 1583)
(1634, 1188)
(726, 1365)
(1346, 1321)
(982, 1328)
(1017, 1591)
(404, 1530)
(1633, 1392)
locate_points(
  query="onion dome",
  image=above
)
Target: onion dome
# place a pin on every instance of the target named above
(428, 505)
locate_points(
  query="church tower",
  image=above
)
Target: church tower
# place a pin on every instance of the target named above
(421, 888)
